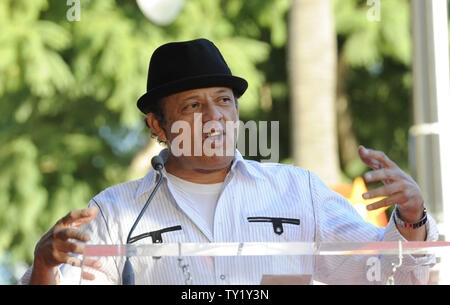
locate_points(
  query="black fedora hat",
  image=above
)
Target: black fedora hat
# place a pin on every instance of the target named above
(187, 65)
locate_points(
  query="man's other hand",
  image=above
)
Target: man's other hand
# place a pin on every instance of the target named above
(399, 188)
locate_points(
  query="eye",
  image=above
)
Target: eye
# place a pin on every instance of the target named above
(191, 106)
(225, 100)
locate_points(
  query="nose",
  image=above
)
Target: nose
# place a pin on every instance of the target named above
(211, 112)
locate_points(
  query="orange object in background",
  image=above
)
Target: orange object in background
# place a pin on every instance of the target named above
(353, 193)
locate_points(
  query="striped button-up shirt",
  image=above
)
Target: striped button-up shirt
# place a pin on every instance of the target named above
(259, 202)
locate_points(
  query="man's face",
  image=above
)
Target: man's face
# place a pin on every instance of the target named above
(200, 126)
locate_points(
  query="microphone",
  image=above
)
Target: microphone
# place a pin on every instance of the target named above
(128, 272)
(157, 163)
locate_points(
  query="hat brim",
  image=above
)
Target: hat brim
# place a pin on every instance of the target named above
(237, 84)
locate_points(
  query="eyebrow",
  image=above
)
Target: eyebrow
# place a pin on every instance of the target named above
(192, 97)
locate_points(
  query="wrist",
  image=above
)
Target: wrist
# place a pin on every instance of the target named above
(411, 215)
(43, 275)
(411, 222)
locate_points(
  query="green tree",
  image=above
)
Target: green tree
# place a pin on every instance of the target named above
(69, 126)
(374, 87)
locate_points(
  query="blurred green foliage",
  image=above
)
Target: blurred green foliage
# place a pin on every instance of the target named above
(69, 126)
(379, 78)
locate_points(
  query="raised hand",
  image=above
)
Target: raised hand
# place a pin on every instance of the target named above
(399, 188)
(55, 246)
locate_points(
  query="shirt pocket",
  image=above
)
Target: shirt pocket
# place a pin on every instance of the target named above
(167, 234)
(173, 236)
(273, 229)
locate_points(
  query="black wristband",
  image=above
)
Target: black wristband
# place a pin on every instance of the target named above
(416, 225)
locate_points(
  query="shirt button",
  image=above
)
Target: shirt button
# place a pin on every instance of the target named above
(222, 276)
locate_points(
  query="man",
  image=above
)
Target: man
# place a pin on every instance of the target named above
(220, 197)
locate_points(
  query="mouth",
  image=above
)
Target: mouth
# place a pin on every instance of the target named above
(214, 139)
(214, 134)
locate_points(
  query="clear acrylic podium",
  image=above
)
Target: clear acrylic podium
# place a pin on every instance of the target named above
(254, 263)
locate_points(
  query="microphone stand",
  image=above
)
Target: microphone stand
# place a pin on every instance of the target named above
(128, 272)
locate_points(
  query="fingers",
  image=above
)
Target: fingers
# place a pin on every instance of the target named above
(69, 233)
(384, 174)
(394, 199)
(385, 190)
(370, 162)
(61, 246)
(375, 159)
(87, 262)
(59, 252)
(69, 247)
(93, 263)
(87, 276)
(78, 217)
(93, 266)
(75, 262)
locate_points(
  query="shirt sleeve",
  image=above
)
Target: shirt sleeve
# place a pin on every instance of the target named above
(26, 277)
(338, 221)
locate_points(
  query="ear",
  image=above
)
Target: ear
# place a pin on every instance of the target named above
(156, 125)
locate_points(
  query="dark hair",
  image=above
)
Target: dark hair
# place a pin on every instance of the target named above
(157, 110)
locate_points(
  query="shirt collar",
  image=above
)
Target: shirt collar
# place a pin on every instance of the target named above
(146, 183)
(239, 163)
(149, 179)
(245, 165)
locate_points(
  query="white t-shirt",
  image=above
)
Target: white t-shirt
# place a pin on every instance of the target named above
(202, 198)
